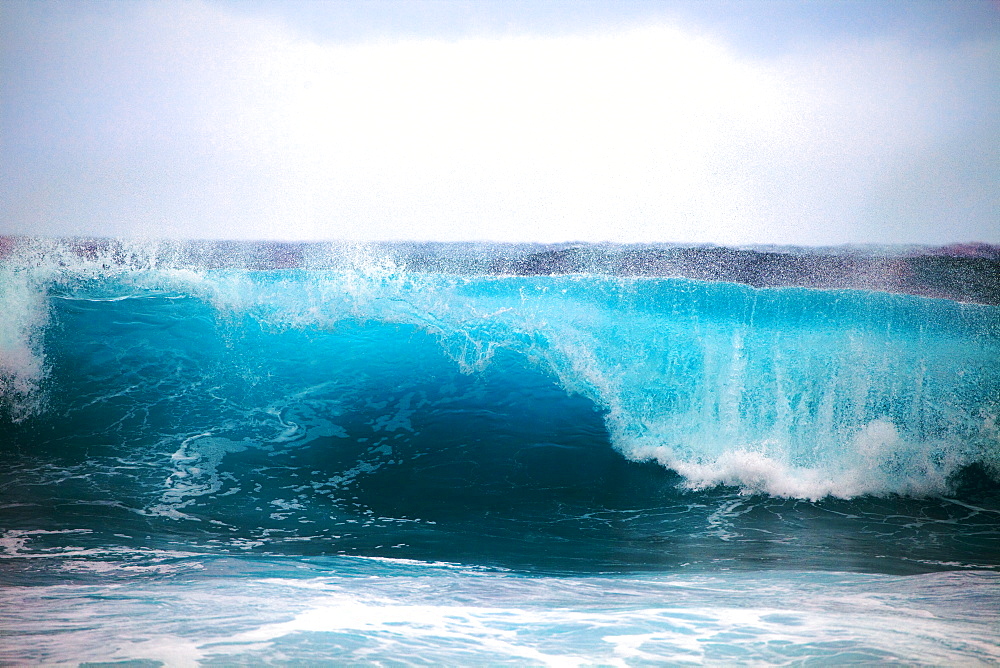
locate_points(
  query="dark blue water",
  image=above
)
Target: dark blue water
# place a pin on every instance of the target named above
(182, 437)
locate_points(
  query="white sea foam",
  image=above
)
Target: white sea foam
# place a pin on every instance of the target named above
(446, 616)
(876, 461)
(13, 541)
(22, 361)
(195, 473)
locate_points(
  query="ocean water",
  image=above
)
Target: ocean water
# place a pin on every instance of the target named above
(221, 455)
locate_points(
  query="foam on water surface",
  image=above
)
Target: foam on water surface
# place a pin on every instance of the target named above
(388, 611)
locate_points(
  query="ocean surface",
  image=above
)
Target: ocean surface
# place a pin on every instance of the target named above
(407, 454)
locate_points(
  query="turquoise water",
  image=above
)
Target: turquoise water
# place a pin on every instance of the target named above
(363, 463)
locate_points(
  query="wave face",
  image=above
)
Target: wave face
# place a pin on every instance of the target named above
(358, 406)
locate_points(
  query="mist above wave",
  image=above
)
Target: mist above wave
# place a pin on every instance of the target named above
(963, 272)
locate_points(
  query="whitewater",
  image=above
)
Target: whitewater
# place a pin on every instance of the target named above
(218, 453)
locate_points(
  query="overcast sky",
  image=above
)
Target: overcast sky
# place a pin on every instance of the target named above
(734, 123)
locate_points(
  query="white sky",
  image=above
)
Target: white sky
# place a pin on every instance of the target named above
(734, 124)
